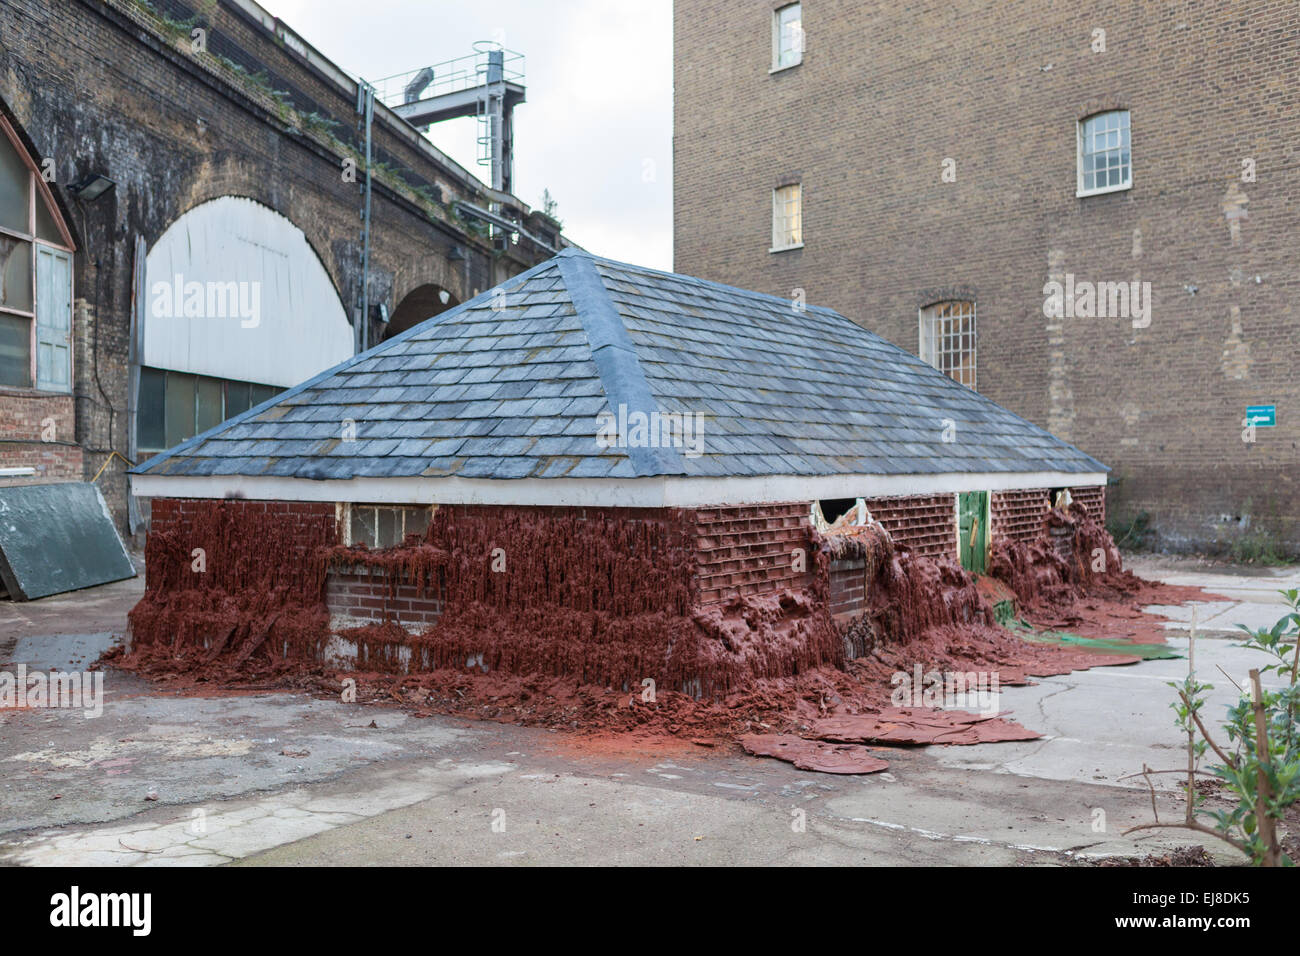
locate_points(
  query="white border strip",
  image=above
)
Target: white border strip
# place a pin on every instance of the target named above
(661, 492)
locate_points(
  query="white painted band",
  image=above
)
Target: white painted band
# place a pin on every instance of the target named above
(669, 492)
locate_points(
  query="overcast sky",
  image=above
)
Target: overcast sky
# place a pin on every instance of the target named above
(596, 129)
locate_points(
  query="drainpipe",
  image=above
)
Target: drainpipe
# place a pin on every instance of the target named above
(366, 108)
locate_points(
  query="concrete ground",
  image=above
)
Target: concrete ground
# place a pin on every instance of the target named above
(289, 779)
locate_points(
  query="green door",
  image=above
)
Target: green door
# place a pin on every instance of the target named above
(972, 529)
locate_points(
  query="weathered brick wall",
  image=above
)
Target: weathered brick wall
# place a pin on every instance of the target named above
(848, 586)
(365, 596)
(926, 524)
(37, 431)
(746, 550)
(1017, 515)
(1093, 498)
(300, 521)
(107, 87)
(50, 462)
(359, 594)
(750, 549)
(998, 88)
(27, 415)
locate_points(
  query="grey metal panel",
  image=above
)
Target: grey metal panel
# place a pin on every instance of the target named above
(56, 538)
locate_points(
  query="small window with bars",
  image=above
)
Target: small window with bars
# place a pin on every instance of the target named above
(1105, 158)
(948, 339)
(386, 526)
(787, 217)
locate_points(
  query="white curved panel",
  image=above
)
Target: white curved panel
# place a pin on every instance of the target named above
(234, 290)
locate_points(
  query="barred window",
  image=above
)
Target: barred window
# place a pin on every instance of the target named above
(787, 217)
(948, 339)
(386, 526)
(1105, 160)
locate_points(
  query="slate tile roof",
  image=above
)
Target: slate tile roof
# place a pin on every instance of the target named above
(510, 384)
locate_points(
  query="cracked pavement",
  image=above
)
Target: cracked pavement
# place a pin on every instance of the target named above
(288, 779)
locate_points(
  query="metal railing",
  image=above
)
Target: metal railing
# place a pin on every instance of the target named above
(450, 76)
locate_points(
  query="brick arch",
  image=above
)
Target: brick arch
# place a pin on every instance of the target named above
(1101, 104)
(957, 293)
(422, 302)
(238, 253)
(50, 195)
(429, 270)
(230, 181)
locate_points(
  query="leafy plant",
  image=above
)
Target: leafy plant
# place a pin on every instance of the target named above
(1134, 533)
(1258, 546)
(1261, 765)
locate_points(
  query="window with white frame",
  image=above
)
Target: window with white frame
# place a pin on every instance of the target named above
(1105, 160)
(35, 276)
(948, 339)
(787, 36)
(787, 217)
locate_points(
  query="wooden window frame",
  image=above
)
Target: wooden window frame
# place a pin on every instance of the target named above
(39, 191)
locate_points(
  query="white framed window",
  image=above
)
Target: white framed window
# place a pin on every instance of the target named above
(787, 36)
(787, 217)
(948, 339)
(1105, 159)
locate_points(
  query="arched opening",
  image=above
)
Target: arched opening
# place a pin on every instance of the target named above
(422, 302)
(238, 307)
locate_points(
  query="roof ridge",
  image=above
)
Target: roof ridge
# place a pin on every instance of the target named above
(617, 362)
(711, 283)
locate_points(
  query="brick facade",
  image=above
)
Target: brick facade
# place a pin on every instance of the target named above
(848, 586)
(887, 93)
(302, 522)
(364, 597)
(926, 524)
(37, 431)
(115, 87)
(750, 550)
(739, 552)
(1094, 499)
(1018, 514)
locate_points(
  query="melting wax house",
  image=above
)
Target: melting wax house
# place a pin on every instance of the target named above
(594, 469)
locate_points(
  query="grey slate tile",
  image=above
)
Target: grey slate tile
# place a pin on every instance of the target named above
(489, 393)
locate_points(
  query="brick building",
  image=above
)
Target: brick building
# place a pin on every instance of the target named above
(929, 170)
(635, 450)
(205, 145)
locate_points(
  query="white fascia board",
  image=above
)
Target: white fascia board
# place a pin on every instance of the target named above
(664, 492)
